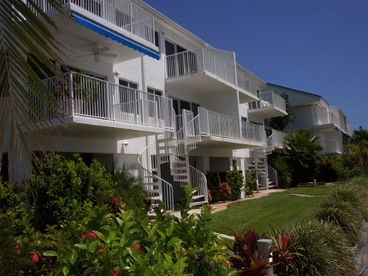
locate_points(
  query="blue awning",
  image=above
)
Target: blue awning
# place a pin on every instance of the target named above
(103, 30)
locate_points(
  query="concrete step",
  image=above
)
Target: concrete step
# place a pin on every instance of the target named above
(197, 203)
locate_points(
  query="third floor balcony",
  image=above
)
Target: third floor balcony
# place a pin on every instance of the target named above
(101, 22)
(270, 105)
(208, 71)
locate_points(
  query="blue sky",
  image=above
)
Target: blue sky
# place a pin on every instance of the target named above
(312, 45)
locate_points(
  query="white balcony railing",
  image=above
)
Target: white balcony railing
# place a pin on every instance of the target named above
(277, 138)
(246, 81)
(254, 132)
(122, 13)
(203, 59)
(338, 119)
(217, 124)
(85, 96)
(269, 99)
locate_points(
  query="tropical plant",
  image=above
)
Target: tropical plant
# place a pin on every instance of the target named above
(246, 258)
(225, 191)
(55, 175)
(28, 54)
(250, 182)
(283, 172)
(359, 148)
(318, 249)
(100, 240)
(235, 179)
(302, 155)
(213, 182)
(283, 257)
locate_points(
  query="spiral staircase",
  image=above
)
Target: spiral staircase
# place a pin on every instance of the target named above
(266, 175)
(173, 147)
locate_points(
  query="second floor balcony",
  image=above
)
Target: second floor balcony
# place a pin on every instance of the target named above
(80, 100)
(209, 71)
(270, 105)
(221, 127)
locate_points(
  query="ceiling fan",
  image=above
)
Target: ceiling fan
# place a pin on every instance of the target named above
(98, 52)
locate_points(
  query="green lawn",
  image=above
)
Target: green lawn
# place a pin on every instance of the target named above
(277, 210)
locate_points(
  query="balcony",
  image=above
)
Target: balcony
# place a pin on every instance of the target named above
(253, 133)
(276, 140)
(316, 116)
(247, 84)
(223, 130)
(270, 105)
(120, 20)
(208, 71)
(88, 104)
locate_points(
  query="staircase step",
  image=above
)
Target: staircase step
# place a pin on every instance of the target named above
(197, 197)
(197, 203)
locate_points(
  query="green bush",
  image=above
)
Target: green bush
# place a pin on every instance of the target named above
(235, 179)
(319, 249)
(213, 182)
(60, 181)
(283, 172)
(130, 191)
(250, 182)
(334, 168)
(345, 209)
(102, 237)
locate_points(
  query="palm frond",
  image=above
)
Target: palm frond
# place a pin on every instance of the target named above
(28, 51)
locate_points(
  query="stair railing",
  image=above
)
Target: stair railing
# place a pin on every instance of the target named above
(198, 181)
(272, 174)
(150, 180)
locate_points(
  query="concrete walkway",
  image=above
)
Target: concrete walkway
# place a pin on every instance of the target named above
(218, 207)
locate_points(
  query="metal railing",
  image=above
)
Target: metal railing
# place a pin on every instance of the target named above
(338, 119)
(156, 188)
(268, 99)
(277, 138)
(272, 175)
(246, 81)
(217, 124)
(83, 95)
(203, 59)
(122, 13)
(255, 132)
(198, 181)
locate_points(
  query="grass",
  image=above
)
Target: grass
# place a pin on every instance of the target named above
(274, 211)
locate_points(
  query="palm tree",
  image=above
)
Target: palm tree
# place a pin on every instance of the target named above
(302, 155)
(28, 54)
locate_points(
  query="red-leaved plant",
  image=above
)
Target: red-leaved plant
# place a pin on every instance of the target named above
(246, 258)
(283, 258)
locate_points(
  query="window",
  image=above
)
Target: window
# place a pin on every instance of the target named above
(157, 41)
(129, 96)
(169, 48)
(154, 91)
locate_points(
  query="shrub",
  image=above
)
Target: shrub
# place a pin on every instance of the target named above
(235, 179)
(246, 258)
(345, 209)
(213, 182)
(283, 172)
(60, 181)
(319, 249)
(250, 182)
(130, 192)
(225, 191)
(110, 239)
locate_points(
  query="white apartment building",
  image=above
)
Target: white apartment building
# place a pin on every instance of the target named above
(140, 92)
(313, 113)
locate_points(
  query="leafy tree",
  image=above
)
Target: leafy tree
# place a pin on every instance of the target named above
(359, 148)
(28, 53)
(279, 123)
(302, 155)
